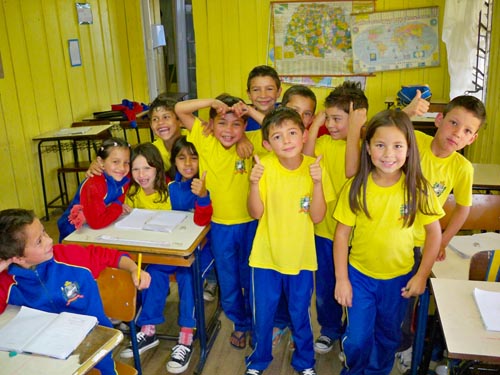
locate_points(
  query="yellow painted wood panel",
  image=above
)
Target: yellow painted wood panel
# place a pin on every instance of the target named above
(41, 91)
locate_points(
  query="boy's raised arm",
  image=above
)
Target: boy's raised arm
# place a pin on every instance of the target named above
(186, 108)
(312, 134)
(357, 118)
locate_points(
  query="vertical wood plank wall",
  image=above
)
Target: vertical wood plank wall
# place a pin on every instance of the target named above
(42, 92)
(231, 38)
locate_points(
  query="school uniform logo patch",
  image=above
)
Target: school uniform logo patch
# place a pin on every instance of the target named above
(305, 204)
(239, 167)
(403, 212)
(439, 188)
(71, 292)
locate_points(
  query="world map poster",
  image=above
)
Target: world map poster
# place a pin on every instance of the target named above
(314, 38)
(401, 39)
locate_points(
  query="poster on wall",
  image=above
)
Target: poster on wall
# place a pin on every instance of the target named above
(401, 39)
(313, 38)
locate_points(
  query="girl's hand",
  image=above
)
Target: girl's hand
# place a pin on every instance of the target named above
(198, 186)
(414, 287)
(4, 264)
(343, 293)
(144, 282)
(95, 169)
(315, 170)
(257, 171)
(126, 209)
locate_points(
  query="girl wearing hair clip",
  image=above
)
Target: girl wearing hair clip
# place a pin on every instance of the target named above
(98, 200)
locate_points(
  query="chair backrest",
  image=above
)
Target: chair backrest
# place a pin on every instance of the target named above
(118, 294)
(485, 266)
(484, 213)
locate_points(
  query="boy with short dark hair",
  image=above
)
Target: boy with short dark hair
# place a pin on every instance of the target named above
(345, 111)
(284, 184)
(263, 89)
(232, 228)
(55, 278)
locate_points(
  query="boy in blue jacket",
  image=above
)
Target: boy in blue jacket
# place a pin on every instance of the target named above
(55, 278)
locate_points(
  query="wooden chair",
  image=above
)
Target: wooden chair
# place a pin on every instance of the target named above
(119, 294)
(485, 266)
(484, 214)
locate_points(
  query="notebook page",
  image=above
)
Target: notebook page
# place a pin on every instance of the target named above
(62, 336)
(488, 304)
(26, 325)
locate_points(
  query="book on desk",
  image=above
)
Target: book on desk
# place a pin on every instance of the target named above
(49, 334)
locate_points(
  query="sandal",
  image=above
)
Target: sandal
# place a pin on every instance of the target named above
(238, 341)
(278, 334)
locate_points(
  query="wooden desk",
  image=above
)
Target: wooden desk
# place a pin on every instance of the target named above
(65, 140)
(179, 247)
(96, 345)
(486, 177)
(463, 329)
(453, 267)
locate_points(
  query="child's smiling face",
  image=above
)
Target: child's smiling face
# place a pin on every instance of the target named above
(117, 164)
(144, 174)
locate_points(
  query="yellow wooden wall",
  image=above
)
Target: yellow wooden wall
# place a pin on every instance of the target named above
(231, 38)
(41, 91)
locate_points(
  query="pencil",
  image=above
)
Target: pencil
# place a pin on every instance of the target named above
(139, 264)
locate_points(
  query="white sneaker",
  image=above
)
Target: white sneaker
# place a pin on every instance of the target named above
(403, 360)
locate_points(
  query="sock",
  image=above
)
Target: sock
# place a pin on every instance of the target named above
(186, 336)
(148, 329)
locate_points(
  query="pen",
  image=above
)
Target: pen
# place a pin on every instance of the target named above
(139, 264)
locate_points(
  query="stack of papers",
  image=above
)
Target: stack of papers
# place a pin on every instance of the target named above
(39, 332)
(467, 246)
(488, 304)
(155, 220)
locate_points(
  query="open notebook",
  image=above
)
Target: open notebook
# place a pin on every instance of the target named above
(50, 334)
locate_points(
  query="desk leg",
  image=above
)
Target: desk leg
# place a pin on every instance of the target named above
(45, 204)
(206, 335)
(419, 339)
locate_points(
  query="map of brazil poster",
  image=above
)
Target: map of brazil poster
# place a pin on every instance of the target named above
(314, 38)
(401, 39)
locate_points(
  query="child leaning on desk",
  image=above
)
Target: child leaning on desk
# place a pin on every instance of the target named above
(55, 278)
(376, 214)
(98, 200)
(149, 190)
(284, 184)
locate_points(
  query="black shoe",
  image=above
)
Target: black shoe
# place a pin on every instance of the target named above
(144, 343)
(179, 359)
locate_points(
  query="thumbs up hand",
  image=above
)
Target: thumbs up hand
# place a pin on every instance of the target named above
(315, 170)
(257, 171)
(417, 106)
(198, 186)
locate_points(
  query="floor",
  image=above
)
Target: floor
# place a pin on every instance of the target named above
(223, 359)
